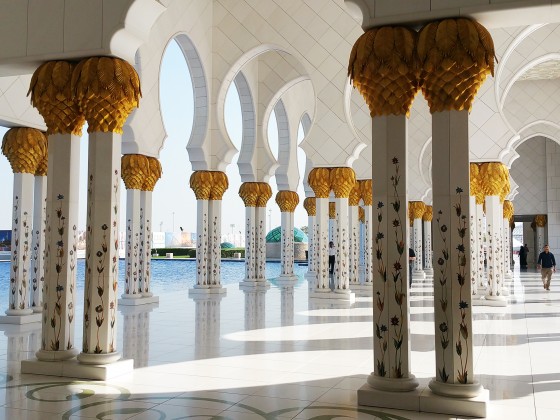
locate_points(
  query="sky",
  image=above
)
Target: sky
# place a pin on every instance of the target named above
(174, 203)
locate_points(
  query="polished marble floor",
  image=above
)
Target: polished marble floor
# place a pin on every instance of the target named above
(273, 355)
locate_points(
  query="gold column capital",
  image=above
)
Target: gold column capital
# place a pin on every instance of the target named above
(220, 184)
(494, 179)
(265, 192)
(287, 201)
(310, 205)
(201, 184)
(455, 57)
(416, 209)
(25, 148)
(540, 220)
(508, 210)
(135, 169)
(383, 67)
(355, 195)
(320, 182)
(475, 187)
(361, 214)
(332, 210)
(342, 181)
(249, 193)
(51, 93)
(154, 174)
(428, 214)
(107, 89)
(366, 191)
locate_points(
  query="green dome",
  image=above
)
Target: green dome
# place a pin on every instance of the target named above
(275, 235)
(227, 245)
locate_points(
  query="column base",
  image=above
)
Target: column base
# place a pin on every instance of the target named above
(201, 290)
(418, 275)
(37, 309)
(429, 272)
(455, 390)
(288, 277)
(142, 300)
(98, 358)
(21, 319)
(147, 294)
(392, 384)
(56, 355)
(75, 369)
(310, 275)
(328, 295)
(250, 285)
(131, 296)
(423, 399)
(363, 290)
(284, 282)
(489, 301)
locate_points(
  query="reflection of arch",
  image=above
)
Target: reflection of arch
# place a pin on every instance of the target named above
(195, 144)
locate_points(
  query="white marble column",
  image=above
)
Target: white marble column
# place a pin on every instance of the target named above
(38, 242)
(287, 305)
(417, 270)
(310, 206)
(287, 201)
(22, 220)
(366, 189)
(250, 244)
(260, 245)
(452, 287)
(202, 247)
(390, 282)
(495, 253)
(136, 333)
(428, 253)
(319, 181)
(507, 249)
(473, 226)
(146, 243)
(133, 289)
(207, 324)
(341, 278)
(540, 222)
(354, 248)
(480, 232)
(102, 250)
(214, 243)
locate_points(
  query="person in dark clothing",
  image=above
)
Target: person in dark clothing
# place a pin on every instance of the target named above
(411, 259)
(332, 254)
(547, 264)
(523, 251)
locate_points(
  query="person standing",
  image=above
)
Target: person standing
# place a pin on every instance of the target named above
(411, 259)
(523, 251)
(332, 253)
(547, 265)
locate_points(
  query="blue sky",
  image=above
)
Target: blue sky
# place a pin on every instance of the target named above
(174, 201)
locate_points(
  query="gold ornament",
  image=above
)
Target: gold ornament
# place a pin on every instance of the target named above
(309, 204)
(134, 171)
(342, 181)
(508, 210)
(51, 94)
(494, 179)
(416, 209)
(332, 210)
(219, 185)
(43, 166)
(428, 214)
(25, 149)
(320, 181)
(249, 193)
(265, 192)
(361, 214)
(106, 89)
(476, 183)
(383, 67)
(540, 220)
(287, 201)
(201, 184)
(455, 57)
(355, 195)
(366, 191)
(154, 174)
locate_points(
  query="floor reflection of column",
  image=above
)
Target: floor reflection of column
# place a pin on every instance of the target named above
(23, 341)
(287, 305)
(207, 325)
(136, 332)
(255, 305)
